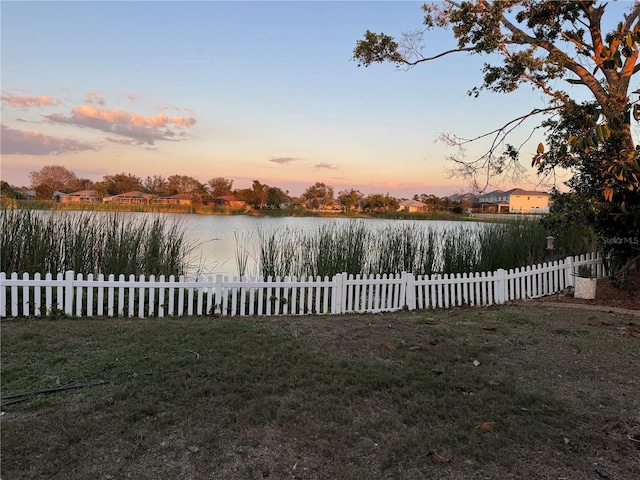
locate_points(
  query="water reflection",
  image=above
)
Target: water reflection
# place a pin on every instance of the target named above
(217, 238)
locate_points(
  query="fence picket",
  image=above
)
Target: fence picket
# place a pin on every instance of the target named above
(152, 297)
(25, 296)
(252, 298)
(234, 300)
(37, 292)
(3, 295)
(200, 301)
(78, 301)
(100, 294)
(310, 296)
(75, 294)
(295, 307)
(111, 296)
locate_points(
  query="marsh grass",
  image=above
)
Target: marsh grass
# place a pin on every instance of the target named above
(242, 246)
(111, 207)
(355, 248)
(52, 242)
(349, 397)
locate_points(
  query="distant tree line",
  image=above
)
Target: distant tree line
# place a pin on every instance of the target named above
(319, 196)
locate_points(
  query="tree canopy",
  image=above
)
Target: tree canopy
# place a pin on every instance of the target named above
(350, 198)
(219, 186)
(54, 178)
(8, 191)
(582, 56)
(537, 43)
(119, 183)
(317, 195)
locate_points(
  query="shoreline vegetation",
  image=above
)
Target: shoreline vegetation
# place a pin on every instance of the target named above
(112, 244)
(87, 243)
(198, 209)
(357, 248)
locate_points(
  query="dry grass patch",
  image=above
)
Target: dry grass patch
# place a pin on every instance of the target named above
(508, 392)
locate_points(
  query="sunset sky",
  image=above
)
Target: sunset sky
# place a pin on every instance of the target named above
(242, 90)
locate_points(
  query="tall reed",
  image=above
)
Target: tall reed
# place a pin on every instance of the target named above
(52, 242)
(331, 248)
(422, 249)
(242, 247)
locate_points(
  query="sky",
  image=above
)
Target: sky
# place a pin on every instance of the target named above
(249, 91)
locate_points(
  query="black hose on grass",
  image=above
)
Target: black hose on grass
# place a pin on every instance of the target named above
(22, 397)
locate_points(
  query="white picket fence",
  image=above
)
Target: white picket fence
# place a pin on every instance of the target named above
(82, 295)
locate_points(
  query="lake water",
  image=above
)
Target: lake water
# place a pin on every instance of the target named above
(216, 237)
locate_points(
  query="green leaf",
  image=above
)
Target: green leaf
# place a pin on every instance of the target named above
(629, 40)
(618, 60)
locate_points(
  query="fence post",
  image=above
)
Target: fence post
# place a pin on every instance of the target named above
(500, 286)
(568, 272)
(217, 294)
(336, 296)
(68, 292)
(410, 291)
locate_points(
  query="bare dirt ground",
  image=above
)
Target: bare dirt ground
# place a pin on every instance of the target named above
(608, 297)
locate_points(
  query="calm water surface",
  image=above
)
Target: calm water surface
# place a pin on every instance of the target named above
(216, 237)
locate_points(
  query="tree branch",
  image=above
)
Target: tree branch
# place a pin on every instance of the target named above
(633, 16)
(401, 59)
(579, 44)
(488, 162)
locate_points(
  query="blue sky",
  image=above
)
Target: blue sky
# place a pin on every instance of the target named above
(243, 90)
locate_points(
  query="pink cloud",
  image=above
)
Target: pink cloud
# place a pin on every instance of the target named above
(26, 102)
(94, 98)
(132, 96)
(329, 166)
(121, 141)
(144, 130)
(26, 142)
(182, 122)
(284, 160)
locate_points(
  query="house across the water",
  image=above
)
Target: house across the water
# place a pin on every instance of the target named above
(81, 196)
(515, 200)
(229, 201)
(413, 206)
(178, 199)
(130, 198)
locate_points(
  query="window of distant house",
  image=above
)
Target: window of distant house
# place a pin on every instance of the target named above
(528, 198)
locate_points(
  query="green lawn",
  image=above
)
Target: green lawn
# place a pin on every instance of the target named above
(504, 392)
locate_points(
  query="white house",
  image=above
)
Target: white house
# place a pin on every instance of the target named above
(515, 200)
(528, 201)
(413, 206)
